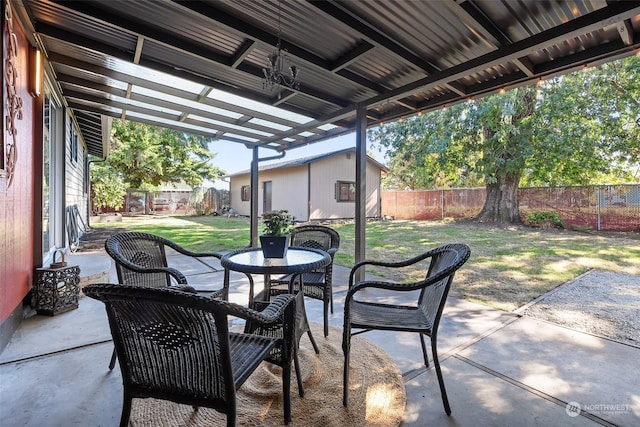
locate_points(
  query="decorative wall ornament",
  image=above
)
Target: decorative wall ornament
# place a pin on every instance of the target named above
(14, 101)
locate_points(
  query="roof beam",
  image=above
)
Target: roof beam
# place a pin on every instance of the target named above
(171, 125)
(120, 76)
(342, 15)
(160, 114)
(184, 46)
(350, 57)
(480, 22)
(625, 29)
(242, 53)
(591, 22)
(239, 26)
(613, 13)
(68, 81)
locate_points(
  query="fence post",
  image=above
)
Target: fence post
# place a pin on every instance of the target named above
(598, 210)
(441, 204)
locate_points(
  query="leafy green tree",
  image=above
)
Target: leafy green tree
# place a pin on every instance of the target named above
(107, 187)
(147, 156)
(577, 129)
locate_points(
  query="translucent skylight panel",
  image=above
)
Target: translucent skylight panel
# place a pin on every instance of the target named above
(258, 106)
(184, 127)
(149, 106)
(306, 134)
(229, 125)
(327, 127)
(273, 125)
(242, 137)
(181, 101)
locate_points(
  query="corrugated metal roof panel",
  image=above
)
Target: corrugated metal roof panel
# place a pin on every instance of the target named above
(393, 57)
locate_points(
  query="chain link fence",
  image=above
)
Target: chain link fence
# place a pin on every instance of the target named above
(598, 207)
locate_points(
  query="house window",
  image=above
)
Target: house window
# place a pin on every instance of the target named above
(74, 146)
(346, 191)
(245, 193)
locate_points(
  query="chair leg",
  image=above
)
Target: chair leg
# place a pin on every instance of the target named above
(296, 364)
(313, 342)
(326, 319)
(331, 301)
(112, 364)
(436, 362)
(126, 411)
(286, 391)
(424, 351)
(346, 347)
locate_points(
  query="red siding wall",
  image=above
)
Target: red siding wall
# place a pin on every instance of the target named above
(16, 201)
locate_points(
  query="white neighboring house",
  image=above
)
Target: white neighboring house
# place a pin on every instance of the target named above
(310, 188)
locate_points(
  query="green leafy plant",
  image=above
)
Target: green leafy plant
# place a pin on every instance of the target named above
(545, 220)
(277, 223)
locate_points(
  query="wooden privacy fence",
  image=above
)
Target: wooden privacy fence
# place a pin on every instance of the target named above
(603, 207)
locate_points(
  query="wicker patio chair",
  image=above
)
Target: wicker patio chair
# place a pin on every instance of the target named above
(364, 312)
(284, 355)
(141, 260)
(175, 345)
(317, 284)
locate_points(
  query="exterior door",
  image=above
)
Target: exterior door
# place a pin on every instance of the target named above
(52, 178)
(266, 197)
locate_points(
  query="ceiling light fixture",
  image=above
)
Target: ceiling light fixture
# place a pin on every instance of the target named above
(274, 75)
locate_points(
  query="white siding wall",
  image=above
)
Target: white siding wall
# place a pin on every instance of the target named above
(326, 173)
(290, 189)
(374, 191)
(75, 189)
(235, 186)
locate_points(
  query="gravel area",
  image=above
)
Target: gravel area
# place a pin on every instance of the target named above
(598, 302)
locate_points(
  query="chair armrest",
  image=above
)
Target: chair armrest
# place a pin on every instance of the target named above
(187, 252)
(399, 264)
(176, 274)
(271, 314)
(391, 286)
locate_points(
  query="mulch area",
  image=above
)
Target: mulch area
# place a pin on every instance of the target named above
(93, 239)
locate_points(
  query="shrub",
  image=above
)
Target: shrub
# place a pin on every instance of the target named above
(545, 220)
(278, 223)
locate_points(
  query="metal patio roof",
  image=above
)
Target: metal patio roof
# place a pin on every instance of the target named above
(183, 65)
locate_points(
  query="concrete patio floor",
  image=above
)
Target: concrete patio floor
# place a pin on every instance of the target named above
(500, 369)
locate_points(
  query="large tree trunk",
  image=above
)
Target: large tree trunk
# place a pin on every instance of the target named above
(501, 204)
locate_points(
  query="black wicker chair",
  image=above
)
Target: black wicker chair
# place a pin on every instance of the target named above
(141, 260)
(363, 312)
(175, 345)
(317, 284)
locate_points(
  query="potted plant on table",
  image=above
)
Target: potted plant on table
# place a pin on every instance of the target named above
(276, 233)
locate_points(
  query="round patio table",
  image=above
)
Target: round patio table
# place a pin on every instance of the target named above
(296, 262)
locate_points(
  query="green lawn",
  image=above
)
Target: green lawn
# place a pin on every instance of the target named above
(508, 266)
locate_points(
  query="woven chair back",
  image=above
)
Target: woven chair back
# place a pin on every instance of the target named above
(444, 262)
(169, 345)
(144, 250)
